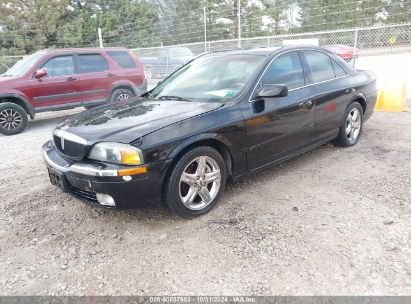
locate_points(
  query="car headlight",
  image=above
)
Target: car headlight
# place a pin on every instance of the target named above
(116, 153)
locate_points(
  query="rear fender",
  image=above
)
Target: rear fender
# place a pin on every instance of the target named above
(123, 84)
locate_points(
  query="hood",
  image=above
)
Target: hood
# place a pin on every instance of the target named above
(7, 79)
(126, 122)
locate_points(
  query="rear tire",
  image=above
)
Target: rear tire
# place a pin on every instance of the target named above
(351, 126)
(196, 182)
(13, 118)
(121, 95)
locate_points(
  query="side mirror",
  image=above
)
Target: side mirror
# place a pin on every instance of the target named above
(273, 91)
(40, 73)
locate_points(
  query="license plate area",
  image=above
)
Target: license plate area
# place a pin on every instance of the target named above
(57, 179)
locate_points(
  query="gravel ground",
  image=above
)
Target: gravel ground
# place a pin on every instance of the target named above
(330, 222)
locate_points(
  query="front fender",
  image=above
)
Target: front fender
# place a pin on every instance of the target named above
(22, 98)
(197, 138)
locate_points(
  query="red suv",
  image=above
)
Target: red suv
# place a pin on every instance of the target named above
(60, 79)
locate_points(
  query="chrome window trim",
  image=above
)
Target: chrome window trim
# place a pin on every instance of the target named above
(309, 85)
(305, 86)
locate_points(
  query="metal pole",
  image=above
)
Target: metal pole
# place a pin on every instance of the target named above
(205, 30)
(100, 38)
(239, 22)
(355, 46)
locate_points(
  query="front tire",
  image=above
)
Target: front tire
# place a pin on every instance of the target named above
(196, 182)
(351, 127)
(121, 95)
(13, 119)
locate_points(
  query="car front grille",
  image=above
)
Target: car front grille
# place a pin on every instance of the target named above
(69, 148)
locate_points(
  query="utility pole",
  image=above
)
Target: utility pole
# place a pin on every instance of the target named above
(100, 37)
(355, 46)
(239, 22)
(205, 30)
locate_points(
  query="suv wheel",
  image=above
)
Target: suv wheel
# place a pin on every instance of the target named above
(13, 118)
(196, 182)
(121, 95)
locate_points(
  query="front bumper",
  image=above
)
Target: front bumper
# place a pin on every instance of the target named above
(87, 180)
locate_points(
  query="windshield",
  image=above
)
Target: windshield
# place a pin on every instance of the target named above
(22, 66)
(210, 78)
(181, 52)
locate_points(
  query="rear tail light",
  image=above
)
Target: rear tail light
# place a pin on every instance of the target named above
(138, 62)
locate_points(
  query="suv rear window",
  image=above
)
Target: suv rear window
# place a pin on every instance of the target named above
(90, 63)
(123, 58)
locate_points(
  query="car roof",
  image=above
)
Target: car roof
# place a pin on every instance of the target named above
(269, 50)
(47, 51)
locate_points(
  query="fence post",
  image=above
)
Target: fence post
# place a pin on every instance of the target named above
(355, 46)
(100, 37)
(205, 30)
(239, 22)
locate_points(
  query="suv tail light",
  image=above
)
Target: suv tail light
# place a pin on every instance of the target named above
(138, 62)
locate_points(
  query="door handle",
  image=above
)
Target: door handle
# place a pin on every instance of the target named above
(349, 91)
(306, 104)
(110, 75)
(71, 78)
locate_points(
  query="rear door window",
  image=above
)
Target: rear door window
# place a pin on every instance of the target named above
(286, 69)
(59, 66)
(338, 70)
(320, 66)
(92, 63)
(123, 58)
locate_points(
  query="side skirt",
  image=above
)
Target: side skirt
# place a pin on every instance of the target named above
(288, 157)
(72, 105)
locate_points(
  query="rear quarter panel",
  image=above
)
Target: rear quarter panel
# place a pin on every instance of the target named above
(366, 87)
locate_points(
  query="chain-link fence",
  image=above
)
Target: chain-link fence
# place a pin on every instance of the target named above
(365, 41)
(7, 62)
(355, 42)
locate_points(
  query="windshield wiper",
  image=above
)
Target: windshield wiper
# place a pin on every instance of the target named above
(174, 98)
(5, 75)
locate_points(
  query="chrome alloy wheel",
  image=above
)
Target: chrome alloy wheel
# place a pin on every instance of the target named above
(200, 183)
(10, 119)
(123, 96)
(353, 125)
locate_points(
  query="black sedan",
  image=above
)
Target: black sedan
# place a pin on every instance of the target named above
(219, 117)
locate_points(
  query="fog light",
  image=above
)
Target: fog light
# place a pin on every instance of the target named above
(105, 199)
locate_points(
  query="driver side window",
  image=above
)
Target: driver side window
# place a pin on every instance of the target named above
(285, 69)
(59, 66)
